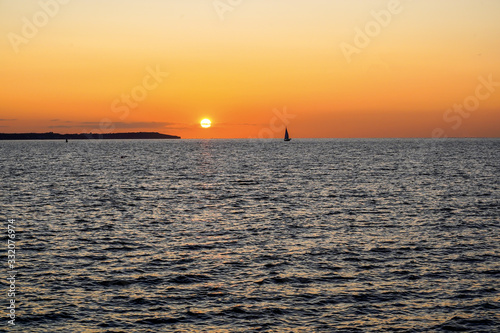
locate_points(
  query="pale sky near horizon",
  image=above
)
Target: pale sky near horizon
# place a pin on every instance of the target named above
(89, 65)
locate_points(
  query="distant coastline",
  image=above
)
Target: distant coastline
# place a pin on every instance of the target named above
(85, 136)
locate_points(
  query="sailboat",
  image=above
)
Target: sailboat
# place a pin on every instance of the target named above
(287, 138)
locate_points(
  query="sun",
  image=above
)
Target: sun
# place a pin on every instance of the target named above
(206, 123)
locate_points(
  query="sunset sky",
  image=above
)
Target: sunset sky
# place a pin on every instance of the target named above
(324, 68)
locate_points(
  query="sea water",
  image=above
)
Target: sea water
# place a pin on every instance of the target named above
(253, 235)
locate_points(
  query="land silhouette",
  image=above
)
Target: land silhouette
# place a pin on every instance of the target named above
(85, 136)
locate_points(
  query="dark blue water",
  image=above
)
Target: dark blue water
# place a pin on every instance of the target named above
(254, 236)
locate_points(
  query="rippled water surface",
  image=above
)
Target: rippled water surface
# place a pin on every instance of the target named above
(254, 236)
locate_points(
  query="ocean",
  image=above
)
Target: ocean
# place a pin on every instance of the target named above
(312, 235)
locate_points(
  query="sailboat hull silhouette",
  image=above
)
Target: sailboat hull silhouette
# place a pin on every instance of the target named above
(287, 137)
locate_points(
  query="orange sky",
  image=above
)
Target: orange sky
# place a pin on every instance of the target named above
(153, 65)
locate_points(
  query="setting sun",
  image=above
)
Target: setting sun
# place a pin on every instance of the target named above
(206, 123)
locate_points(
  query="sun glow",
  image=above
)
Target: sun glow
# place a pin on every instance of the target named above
(206, 123)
